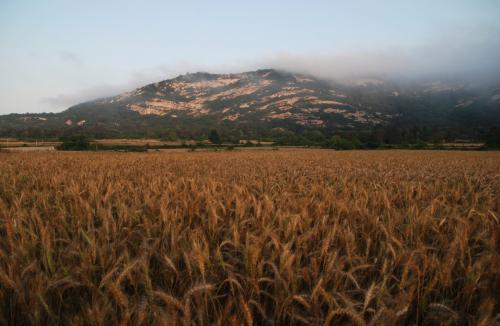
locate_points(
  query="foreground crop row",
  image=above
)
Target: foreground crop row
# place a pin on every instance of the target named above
(287, 237)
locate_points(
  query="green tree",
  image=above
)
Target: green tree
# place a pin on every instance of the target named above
(214, 137)
(75, 143)
(492, 138)
(338, 142)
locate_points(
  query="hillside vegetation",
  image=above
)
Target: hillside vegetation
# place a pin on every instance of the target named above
(284, 107)
(266, 238)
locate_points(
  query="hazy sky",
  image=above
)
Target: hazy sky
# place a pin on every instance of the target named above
(54, 54)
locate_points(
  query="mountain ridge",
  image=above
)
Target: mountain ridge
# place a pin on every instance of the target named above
(264, 103)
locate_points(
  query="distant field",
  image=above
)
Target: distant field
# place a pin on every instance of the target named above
(250, 237)
(124, 143)
(142, 142)
(27, 149)
(10, 142)
(459, 145)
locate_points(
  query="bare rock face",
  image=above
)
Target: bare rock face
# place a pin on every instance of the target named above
(258, 103)
(266, 94)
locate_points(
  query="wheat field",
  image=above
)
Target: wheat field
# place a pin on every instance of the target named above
(304, 237)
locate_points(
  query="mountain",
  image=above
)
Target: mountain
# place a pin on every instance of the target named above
(270, 103)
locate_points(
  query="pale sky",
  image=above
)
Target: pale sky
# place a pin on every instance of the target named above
(54, 54)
